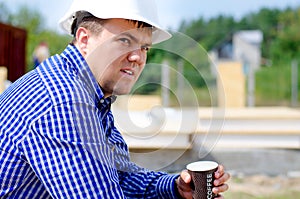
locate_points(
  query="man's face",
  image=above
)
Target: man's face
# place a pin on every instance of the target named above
(118, 55)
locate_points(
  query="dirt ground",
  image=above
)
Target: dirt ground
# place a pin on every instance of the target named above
(261, 185)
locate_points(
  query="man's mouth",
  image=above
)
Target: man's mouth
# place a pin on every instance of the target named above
(129, 72)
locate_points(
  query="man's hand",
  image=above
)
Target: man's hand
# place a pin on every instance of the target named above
(184, 183)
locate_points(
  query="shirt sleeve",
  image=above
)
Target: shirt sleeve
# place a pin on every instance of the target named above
(68, 151)
(148, 185)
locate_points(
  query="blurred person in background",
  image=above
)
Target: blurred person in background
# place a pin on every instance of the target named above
(40, 53)
(57, 132)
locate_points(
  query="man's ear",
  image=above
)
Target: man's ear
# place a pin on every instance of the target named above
(82, 37)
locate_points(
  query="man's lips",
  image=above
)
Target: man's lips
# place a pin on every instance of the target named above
(129, 72)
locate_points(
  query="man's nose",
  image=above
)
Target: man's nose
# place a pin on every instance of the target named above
(138, 55)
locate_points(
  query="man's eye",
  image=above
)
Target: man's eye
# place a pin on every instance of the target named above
(146, 48)
(125, 41)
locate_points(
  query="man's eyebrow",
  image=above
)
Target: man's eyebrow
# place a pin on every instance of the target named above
(134, 38)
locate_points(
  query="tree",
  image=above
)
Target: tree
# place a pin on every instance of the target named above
(265, 20)
(29, 19)
(287, 43)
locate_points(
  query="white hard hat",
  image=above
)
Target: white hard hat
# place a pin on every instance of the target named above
(139, 10)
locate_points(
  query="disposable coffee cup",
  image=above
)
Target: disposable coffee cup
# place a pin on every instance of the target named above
(202, 173)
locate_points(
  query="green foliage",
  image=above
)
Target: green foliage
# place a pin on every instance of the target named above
(31, 20)
(207, 33)
(272, 84)
(287, 42)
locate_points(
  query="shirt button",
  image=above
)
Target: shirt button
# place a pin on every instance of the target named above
(102, 101)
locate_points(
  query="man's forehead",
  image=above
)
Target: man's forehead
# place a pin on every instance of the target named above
(130, 28)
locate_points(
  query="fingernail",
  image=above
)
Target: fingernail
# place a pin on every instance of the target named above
(215, 190)
(216, 183)
(186, 178)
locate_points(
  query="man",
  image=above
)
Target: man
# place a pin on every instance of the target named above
(57, 134)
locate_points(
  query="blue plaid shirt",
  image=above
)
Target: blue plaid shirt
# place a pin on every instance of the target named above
(58, 139)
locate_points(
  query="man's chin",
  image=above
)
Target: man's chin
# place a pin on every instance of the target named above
(121, 91)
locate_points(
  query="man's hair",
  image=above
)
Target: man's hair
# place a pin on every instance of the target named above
(94, 24)
(86, 20)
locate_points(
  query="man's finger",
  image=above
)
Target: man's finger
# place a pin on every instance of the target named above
(185, 176)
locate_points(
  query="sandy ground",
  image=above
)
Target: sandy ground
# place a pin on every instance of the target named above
(262, 185)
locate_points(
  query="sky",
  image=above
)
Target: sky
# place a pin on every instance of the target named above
(171, 12)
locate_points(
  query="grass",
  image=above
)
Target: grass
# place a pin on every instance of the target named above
(273, 85)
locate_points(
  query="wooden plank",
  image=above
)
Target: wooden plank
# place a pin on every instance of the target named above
(267, 127)
(256, 113)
